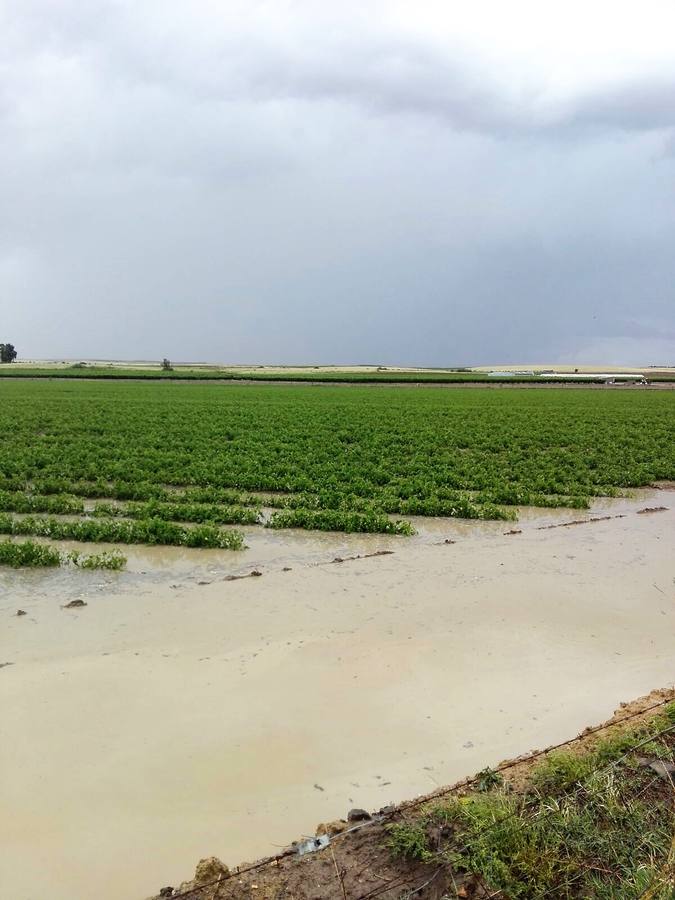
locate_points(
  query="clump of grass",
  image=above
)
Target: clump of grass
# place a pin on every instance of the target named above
(408, 841)
(28, 554)
(589, 824)
(606, 837)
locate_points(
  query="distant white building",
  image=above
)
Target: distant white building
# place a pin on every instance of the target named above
(607, 377)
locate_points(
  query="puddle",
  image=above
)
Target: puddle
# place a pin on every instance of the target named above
(168, 720)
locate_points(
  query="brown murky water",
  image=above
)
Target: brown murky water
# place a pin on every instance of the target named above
(179, 714)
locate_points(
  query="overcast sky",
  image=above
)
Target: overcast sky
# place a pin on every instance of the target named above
(427, 183)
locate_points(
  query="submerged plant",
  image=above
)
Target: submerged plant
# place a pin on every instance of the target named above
(108, 559)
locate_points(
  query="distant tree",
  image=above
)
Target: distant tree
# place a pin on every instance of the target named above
(166, 365)
(7, 353)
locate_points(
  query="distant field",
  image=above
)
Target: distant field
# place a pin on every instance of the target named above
(319, 374)
(216, 374)
(173, 463)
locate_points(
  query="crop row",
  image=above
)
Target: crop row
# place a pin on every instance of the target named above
(337, 520)
(30, 554)
(180, 512)
(347, 519)
(149, 531)
(18, 496)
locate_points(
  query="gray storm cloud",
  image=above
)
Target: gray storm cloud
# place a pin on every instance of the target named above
(265, 183)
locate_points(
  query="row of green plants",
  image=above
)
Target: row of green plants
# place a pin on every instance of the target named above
(224, 505)
(148, 531)
(31, 554)
(20, 502)
(180, 512)
(338, 520)
(347, 519)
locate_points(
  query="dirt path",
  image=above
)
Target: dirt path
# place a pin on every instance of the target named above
(169, 719)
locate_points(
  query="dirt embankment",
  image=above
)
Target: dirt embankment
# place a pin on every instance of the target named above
(349, 860)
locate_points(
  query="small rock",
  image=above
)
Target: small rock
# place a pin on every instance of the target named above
(358, 815)
(287, 569)
(256, 573)
(74, 604)
(663, 769)
(318, 787)
(210, 869)
(330, 828)
(21, 612)
(166, 892)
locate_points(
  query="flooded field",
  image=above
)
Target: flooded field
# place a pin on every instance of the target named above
(183, 712)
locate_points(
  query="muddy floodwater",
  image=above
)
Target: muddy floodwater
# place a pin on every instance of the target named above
(181, 713)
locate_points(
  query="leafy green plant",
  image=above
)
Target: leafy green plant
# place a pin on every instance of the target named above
(488, 779)
(408, 841)
(28, 554)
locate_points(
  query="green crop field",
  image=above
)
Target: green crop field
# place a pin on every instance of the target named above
(167, 463)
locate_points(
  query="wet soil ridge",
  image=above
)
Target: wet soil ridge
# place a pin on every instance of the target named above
(586, 818)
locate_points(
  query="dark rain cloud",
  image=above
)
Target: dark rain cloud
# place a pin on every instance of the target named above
(267, 183)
